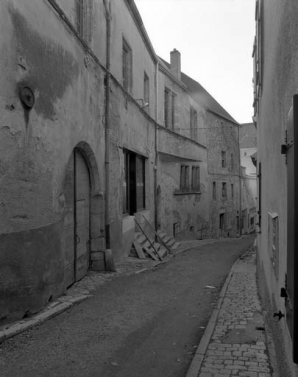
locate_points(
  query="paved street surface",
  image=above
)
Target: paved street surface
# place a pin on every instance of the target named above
(146, 324)
(238, 345)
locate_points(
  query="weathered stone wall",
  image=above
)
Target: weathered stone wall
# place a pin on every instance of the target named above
(182, 214)
(222, 135)
(132, 129)
(39, 51)
(188, 210)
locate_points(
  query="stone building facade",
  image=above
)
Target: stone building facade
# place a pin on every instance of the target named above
(248, 152)
(275, 55)
(220, 132)
(87, 147)
(182, 192)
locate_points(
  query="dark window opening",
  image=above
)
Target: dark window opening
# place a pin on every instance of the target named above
(195, 178)
(223, 159)
(133, 183)
(214, 190)
(193, 124)
(146, 92)
(224, 189)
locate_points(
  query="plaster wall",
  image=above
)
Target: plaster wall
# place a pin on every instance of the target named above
(279, 83)
(97, 24)
(181, 214)
(132, 129)
(124, 26)
(38, 50)
(183, 103)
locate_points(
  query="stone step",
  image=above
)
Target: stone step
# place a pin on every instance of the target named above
(156, 245)
(176, 245)
(146, 244)
(163, 251)
(161, 234)
(170, 242)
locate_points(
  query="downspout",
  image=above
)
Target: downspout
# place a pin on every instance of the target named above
(156, 150)
(107, 5)
(240, 184)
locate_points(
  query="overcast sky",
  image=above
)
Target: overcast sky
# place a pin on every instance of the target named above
(215, 39)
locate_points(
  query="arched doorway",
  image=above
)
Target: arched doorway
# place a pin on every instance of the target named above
(77, 218)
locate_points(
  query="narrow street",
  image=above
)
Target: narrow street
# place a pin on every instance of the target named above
(146, 325)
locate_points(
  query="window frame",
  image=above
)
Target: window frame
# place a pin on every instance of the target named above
(131, 180)
(127, 63)
(223, 159)
(214, 190)
(193, 123)
(224, 190)
(146, 92)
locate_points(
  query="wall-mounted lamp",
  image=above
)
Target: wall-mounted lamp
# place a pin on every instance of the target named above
(144, 104)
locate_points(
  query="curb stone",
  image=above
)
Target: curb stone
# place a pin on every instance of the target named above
(51, 311)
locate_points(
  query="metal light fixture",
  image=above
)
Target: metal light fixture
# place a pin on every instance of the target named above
(144, 104)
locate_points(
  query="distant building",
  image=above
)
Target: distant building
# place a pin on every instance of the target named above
(248, 153)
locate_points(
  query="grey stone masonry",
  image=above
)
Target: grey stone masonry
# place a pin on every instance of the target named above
(238, 344)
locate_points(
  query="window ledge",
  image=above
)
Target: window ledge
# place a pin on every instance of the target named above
(187, 192)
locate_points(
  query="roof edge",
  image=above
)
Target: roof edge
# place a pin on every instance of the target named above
(140, 25)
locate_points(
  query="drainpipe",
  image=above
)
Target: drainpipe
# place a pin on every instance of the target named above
(156, 149)
(107, 5)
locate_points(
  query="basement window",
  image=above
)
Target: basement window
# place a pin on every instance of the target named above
(133, 183)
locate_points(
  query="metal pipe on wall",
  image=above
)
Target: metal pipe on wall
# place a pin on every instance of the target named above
(107, 5)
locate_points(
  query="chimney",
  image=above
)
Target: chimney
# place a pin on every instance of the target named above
(176, 63)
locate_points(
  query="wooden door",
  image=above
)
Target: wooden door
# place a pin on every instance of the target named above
(76, 220)
(82, 216)
(69, 225)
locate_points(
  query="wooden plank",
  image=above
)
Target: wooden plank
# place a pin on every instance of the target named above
(152, 255)
(139, 250)
(158, 235)
(148, 239)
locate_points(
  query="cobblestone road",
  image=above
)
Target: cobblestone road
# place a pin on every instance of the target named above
(238, 344)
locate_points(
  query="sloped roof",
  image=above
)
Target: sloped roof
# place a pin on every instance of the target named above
(248, 135)
(200, 94)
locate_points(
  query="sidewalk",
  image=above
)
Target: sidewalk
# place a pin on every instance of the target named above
(234, 342)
